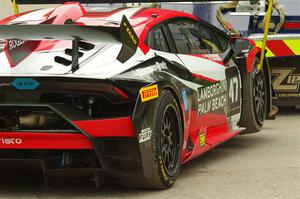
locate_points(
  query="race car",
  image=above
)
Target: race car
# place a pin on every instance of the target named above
(131, 93)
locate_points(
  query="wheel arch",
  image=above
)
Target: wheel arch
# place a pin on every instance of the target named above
(143, 117)
(247, 64)
(178, 101)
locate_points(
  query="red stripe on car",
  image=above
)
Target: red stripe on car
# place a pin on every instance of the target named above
(204, 78)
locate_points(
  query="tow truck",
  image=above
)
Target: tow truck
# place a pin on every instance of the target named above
(282, 45)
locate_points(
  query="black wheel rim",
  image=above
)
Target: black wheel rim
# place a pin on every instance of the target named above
(259, 95)
(170, 140)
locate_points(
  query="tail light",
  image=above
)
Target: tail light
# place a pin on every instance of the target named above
(93, 88)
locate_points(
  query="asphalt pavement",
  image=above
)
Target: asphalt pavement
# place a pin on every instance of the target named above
(257, 166)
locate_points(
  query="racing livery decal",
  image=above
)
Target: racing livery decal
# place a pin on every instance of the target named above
(234, 91)
(212, 98)
(145, 135)
(11, 141)
(149, 93)
(202, 137)
(18, 50)
(25, 84)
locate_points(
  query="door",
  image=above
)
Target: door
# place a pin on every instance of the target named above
(201, 48)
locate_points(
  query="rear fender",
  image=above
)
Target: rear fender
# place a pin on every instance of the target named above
(255, 52)
(162, 75)
(144, 120)
(249, 62)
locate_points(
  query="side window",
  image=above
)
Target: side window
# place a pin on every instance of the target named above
(223, 39)
(181, 42)
(193, 38)
(157, 40)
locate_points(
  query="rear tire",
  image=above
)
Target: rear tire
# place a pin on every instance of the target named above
(254, 106)
(166, 147)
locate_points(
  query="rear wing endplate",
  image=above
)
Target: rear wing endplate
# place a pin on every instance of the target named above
(98, 34)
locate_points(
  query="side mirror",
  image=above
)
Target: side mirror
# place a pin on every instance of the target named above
(240, 45)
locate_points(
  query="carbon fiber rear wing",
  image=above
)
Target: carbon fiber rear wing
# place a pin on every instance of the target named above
(98, 34)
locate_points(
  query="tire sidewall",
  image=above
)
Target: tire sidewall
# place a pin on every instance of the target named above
(249, 117)
(165, 99)
(253, 72)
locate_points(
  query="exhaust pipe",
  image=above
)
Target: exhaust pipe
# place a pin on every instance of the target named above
(30, 120)
(38, 120)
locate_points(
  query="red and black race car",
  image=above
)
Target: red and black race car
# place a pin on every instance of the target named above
(131, 92)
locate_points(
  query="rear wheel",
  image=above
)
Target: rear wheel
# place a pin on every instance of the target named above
(254, 107)
(166, 147)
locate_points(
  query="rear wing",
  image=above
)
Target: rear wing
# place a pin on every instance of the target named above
(97, 34)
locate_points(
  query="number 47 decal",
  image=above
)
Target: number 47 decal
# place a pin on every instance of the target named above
(234, 89)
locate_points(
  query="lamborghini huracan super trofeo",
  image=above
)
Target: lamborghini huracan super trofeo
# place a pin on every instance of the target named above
(131, 92)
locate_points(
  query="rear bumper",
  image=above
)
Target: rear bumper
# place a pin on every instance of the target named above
(82, 133)
(92, 129)
(106, 138)
(110, 143)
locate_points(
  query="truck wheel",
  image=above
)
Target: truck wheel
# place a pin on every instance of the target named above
(254, 106)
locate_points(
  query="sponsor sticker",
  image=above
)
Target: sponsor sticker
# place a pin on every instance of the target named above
(159, 66)
(202, 137)
(212, 98)
(18, 50)
(11, 141)
(162, 169)
(5, 84)
(145, 135)
(25, 84)
(149, 93)
(129, 32)
(14, 43)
